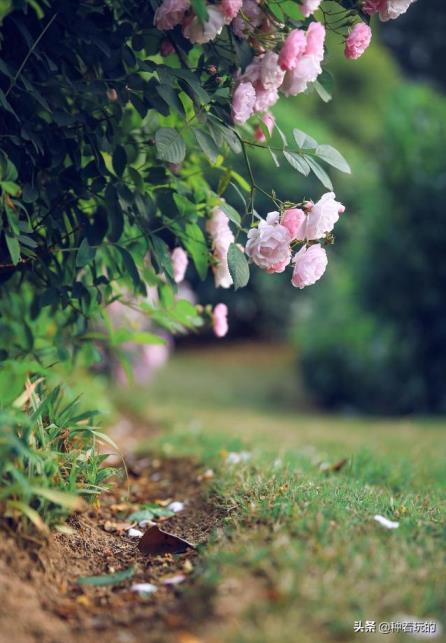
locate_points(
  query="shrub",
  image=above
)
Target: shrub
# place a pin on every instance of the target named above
(375, 337)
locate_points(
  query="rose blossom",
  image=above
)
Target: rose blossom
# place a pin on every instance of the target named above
(388, 9)
(265, 98)
(322, 217)
(243, 102)
(179, 263)
(199, 33)
(294, 220)
(222, 237)
(268, 245)
(170, 13)
(293, 48)
(269, 121)
(307, 66)
(220, 320)
(309, 265)
(271, 75)
(309, 6)
(231, 8)
(357, 41)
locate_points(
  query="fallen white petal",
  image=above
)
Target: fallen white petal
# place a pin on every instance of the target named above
(144, 588)
(236, 458)
(135, 533)
(385, 522)
(174, 580)
(146, 523)
(176, 506)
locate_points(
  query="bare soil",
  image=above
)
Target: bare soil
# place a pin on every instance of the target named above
(41, 601)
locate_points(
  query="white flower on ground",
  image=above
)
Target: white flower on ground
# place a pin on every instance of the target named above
(176, 506)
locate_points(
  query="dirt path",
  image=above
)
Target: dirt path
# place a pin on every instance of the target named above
(40, 600)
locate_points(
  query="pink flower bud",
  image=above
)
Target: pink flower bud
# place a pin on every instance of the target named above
(220, 320)
(269, 120)
(112, 95)
(166, 48)
(179, 263)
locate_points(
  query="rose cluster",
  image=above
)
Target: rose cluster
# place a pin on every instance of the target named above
(270, 244)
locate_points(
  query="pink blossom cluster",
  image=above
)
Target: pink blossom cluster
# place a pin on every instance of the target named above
(357, 41)
(387, 9)
(221, 236)
(172, 13)
(289, 71)
(269, 245)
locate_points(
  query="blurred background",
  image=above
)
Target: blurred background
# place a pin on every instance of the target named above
(370, 337)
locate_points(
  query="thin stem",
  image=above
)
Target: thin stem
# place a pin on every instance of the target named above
(30, 52)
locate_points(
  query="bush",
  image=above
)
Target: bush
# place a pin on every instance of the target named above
(375, 336)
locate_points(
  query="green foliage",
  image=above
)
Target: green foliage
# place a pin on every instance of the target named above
(375, 337)
(48, 457)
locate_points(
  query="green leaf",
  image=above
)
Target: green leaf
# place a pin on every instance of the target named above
(195, 243)
(330, 155)
(238, 266)
(322, 92)
(129, 265)
(199, 7)
(85, 254)
(10, 187)
(319, 172)
(231, 213)
(170, 96)
(303, 140)
(143, 514)
(109, 579)
(170, 145)
(13, 248)
(161, 254)
(298, 162)
(119, 160)
(207, 145)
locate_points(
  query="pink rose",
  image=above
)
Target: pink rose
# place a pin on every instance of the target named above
(271, 75)
(199, 33)
(243, 102)
(315, 40)
(309, 265)
(220, 320)
(307, 66)
(170, 13)
(222, 237)
(294, 220)
(269, 120)
(268, 245)
(322, 217)
(231, 8)
(265, 98)
(310, 6)
(293, 48)
(357, 41)
(388, 9)
(179, 263)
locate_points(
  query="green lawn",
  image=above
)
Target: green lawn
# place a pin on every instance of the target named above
(300, 548)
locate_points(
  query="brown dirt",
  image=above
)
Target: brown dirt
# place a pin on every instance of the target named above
(40, 600)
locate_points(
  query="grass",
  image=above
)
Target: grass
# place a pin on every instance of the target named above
(301, 543)
(49, 460)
